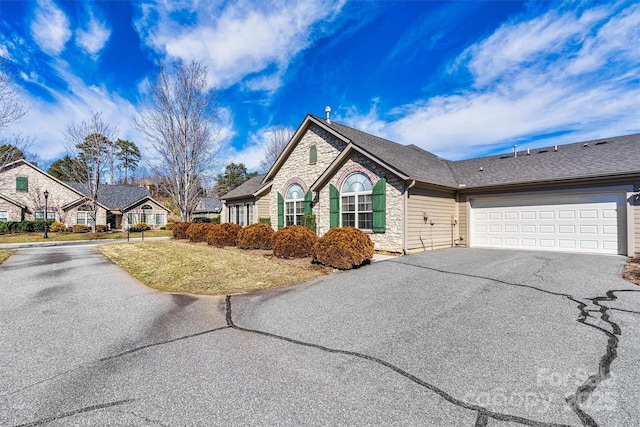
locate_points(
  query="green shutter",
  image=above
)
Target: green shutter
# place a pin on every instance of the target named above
(280, 211)
(380, 206)
(22, 184)
(307, 202)
(313, 154)
(334, 206)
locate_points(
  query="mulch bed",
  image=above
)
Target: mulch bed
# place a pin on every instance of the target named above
(631, 271)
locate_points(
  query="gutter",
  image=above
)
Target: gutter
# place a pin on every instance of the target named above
(405, 220)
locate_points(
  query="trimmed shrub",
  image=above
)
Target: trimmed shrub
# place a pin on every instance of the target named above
(141, 226)
(215, 220)
(101, 228)
(309, 221)
(180, 230)
(343, 248)
(263, 220)
(25, 227)
(169, 225)
(294, 241)
(198, 232)
(4, 228)
(56, 227)
(38, 226)
(80, 228)
(225, 234)
(255, 236)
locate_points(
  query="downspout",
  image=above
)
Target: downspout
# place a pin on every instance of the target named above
(405, 218)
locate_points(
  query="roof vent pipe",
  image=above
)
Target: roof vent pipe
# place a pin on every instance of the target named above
(328, 111)
(515, 150)
(528, 151)
(555, 148)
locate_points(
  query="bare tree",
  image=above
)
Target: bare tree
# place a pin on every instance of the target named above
(12, 109)
(180, 119)
(277, 138)
(12, 106)
(89, 143)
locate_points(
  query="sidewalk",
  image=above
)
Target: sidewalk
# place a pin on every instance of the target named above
(74, 242)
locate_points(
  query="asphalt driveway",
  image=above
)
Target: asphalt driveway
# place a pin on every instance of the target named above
(456, 337)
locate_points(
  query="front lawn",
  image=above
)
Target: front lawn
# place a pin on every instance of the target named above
(4, 254)
(67, 237)
(177, 266)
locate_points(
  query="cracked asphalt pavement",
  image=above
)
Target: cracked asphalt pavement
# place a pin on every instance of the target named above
(458, 337)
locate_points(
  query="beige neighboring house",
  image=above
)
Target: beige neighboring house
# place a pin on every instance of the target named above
(581, 197)
(22, 187)
(207, 207)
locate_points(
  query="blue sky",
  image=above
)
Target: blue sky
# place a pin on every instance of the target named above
(460, 79)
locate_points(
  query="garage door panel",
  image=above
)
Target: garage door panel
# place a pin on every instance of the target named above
(578, 223)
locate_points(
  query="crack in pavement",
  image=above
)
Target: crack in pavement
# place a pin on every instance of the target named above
(585, 390)
(76, 412)
(483, 413)
(136, 349)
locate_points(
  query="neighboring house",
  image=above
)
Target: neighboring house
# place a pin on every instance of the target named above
(207, 207)
(22, 187)
(580, 197)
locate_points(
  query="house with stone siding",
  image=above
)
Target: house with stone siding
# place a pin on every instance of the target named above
(22, 187)
(581, 197)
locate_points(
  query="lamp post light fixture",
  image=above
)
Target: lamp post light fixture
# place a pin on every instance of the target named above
(46, 215)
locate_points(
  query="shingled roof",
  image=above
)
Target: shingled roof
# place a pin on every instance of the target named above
(590, 159)
(410, 160)
(604, 157)
(208, 204)
(246, 189)
(116, 197)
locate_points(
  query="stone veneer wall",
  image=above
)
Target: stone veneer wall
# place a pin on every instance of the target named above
(296, 168)
(59, 195)
(391, 240)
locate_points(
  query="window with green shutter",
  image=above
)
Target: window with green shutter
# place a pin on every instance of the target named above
(308, 197)
(313, 154)
(380, 206)
(334, 206)
(22, 184)
(280, 211)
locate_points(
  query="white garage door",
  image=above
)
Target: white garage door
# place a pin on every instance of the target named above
(573, 223)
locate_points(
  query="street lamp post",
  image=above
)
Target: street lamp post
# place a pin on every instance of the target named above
(46, 214)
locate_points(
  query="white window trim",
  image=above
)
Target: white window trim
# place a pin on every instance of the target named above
(356, 210)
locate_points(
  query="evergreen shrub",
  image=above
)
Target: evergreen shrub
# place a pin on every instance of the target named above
(256, 236)
(224, 234)
(343, 248)
(294, 241)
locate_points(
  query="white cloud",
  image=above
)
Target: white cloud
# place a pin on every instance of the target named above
(239, 39)
(48, 119)
(559, 72)
(50, 27)
(94, 38)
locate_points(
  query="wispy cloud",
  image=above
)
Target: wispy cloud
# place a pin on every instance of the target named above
(94, 37)
(50, 27)
(572, 72)
(236, 40)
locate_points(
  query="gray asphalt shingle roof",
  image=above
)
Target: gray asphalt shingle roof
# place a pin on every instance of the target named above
(116, 197)
(596, 158)
(412, 161)
(600, 157)
(208, 204)
(246, 189)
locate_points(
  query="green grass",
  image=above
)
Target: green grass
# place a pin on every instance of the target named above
(68, 237)
(4, 254)
(177, 266)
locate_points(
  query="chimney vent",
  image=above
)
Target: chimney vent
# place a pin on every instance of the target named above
(515, 150)
(328, 111)
(528, 151)
(555, 148)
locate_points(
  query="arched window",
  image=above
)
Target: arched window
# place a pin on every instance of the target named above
(294, 205)
(356, 206)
